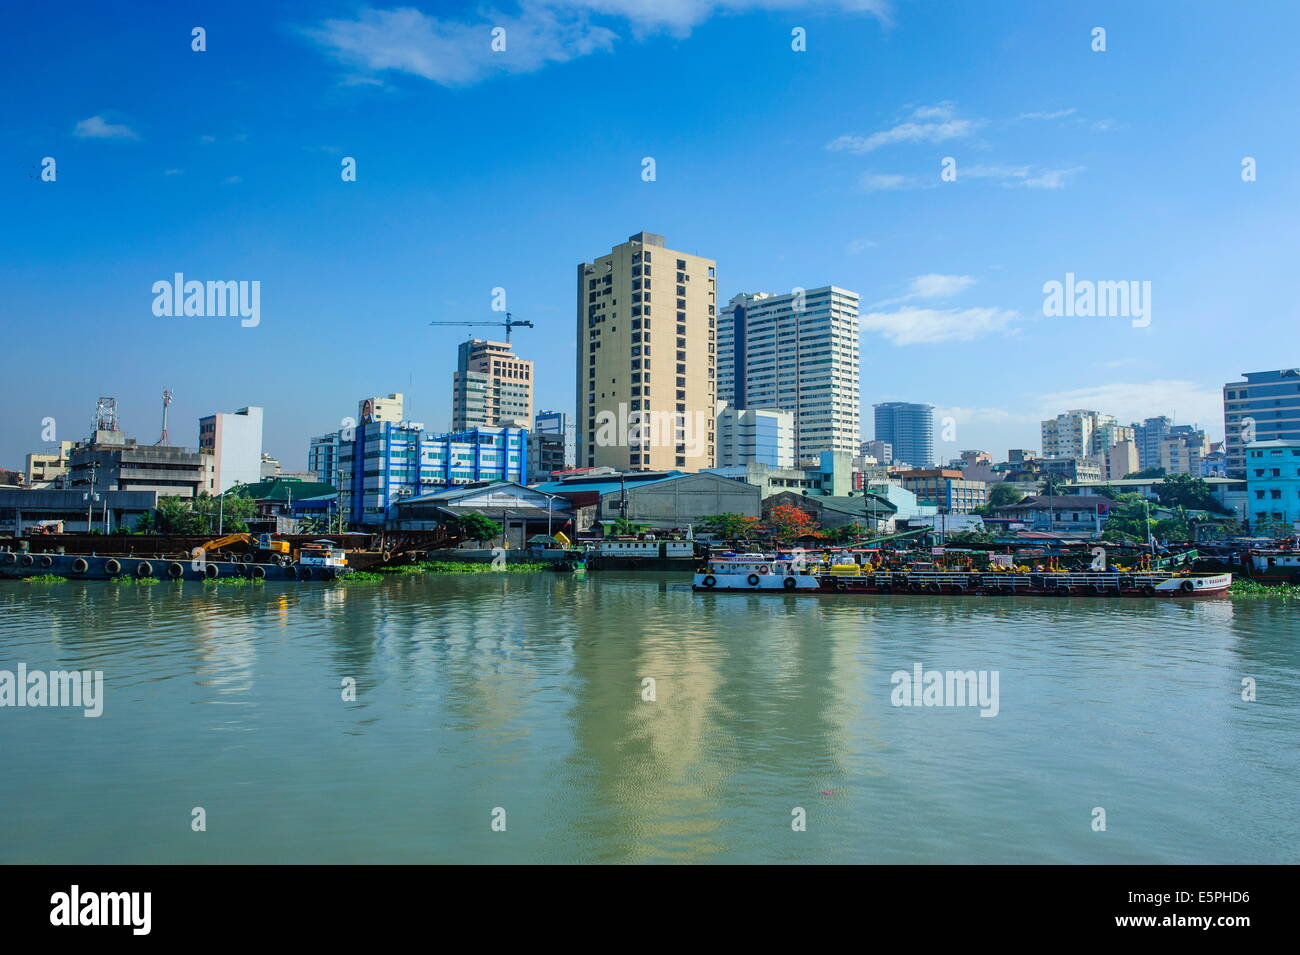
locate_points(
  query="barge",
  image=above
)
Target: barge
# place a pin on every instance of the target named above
(321, 561)
(763, 574)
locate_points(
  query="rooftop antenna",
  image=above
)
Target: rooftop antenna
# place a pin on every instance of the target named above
(508, 324)
(106, 414)
(165, 440)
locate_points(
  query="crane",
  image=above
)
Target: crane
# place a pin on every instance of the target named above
(508, 324)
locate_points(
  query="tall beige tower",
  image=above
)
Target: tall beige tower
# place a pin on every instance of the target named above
(491, 386)
(646, 389)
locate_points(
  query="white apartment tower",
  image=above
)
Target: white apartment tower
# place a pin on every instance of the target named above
(796, 351)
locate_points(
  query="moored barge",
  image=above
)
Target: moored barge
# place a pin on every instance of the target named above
(763, 574)
(321, 561)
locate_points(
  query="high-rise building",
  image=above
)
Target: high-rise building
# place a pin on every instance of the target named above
(235, 443)
(797, 352)
(1264, 407)
(755, 436)
(1147, 437)
(909, 428)
(491, 386)
(646, 386)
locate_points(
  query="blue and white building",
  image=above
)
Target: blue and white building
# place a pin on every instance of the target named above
(323, 457)
(1273, 483)
(382, 462)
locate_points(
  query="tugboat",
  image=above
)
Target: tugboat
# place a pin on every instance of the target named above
(764, 573)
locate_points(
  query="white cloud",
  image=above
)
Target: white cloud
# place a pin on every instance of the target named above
(1056, 114)
(458, 52)
(859, 245)
(929, 326)
(1050, 178)
(926, 124)
(1030, 177)
(96, 127)
(931, 285)
(934, 285)
(885, 182)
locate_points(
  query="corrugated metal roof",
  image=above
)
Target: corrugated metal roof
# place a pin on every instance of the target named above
(605, 487)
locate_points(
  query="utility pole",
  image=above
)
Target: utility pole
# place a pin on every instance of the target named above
(90, 498)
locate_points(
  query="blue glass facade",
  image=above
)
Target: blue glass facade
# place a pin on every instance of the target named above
(385, 462)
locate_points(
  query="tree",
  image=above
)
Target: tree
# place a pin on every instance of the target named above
(1004, 494)
(1183, 490)
(845, 533)
(203, 514)
(622, 527)
(787, 521)
(1127, 519)
(730, 526)
(1146, 473)
(473, 527)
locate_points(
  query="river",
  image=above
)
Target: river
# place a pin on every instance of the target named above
(512, 718)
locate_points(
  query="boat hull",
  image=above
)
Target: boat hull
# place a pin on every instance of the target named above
(16, 565)
(977, 584)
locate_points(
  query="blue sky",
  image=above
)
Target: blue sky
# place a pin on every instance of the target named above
(479, 169)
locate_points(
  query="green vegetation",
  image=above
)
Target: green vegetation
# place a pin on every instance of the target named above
(845, 533)
(463, 567)
(1242, 587)
(1146, 474)
(234, 581)
(473, 527)
(1193, 493)
(199, 515)
(360, 577)
(1003, 494)
(729, 526)
(622, 527)
(46, 579)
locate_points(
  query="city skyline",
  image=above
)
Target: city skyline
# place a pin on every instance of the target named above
(457, 180)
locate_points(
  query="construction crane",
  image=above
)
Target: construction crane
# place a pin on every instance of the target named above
(508, 324)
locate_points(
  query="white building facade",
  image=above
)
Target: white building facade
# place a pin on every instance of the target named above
(796, 352)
